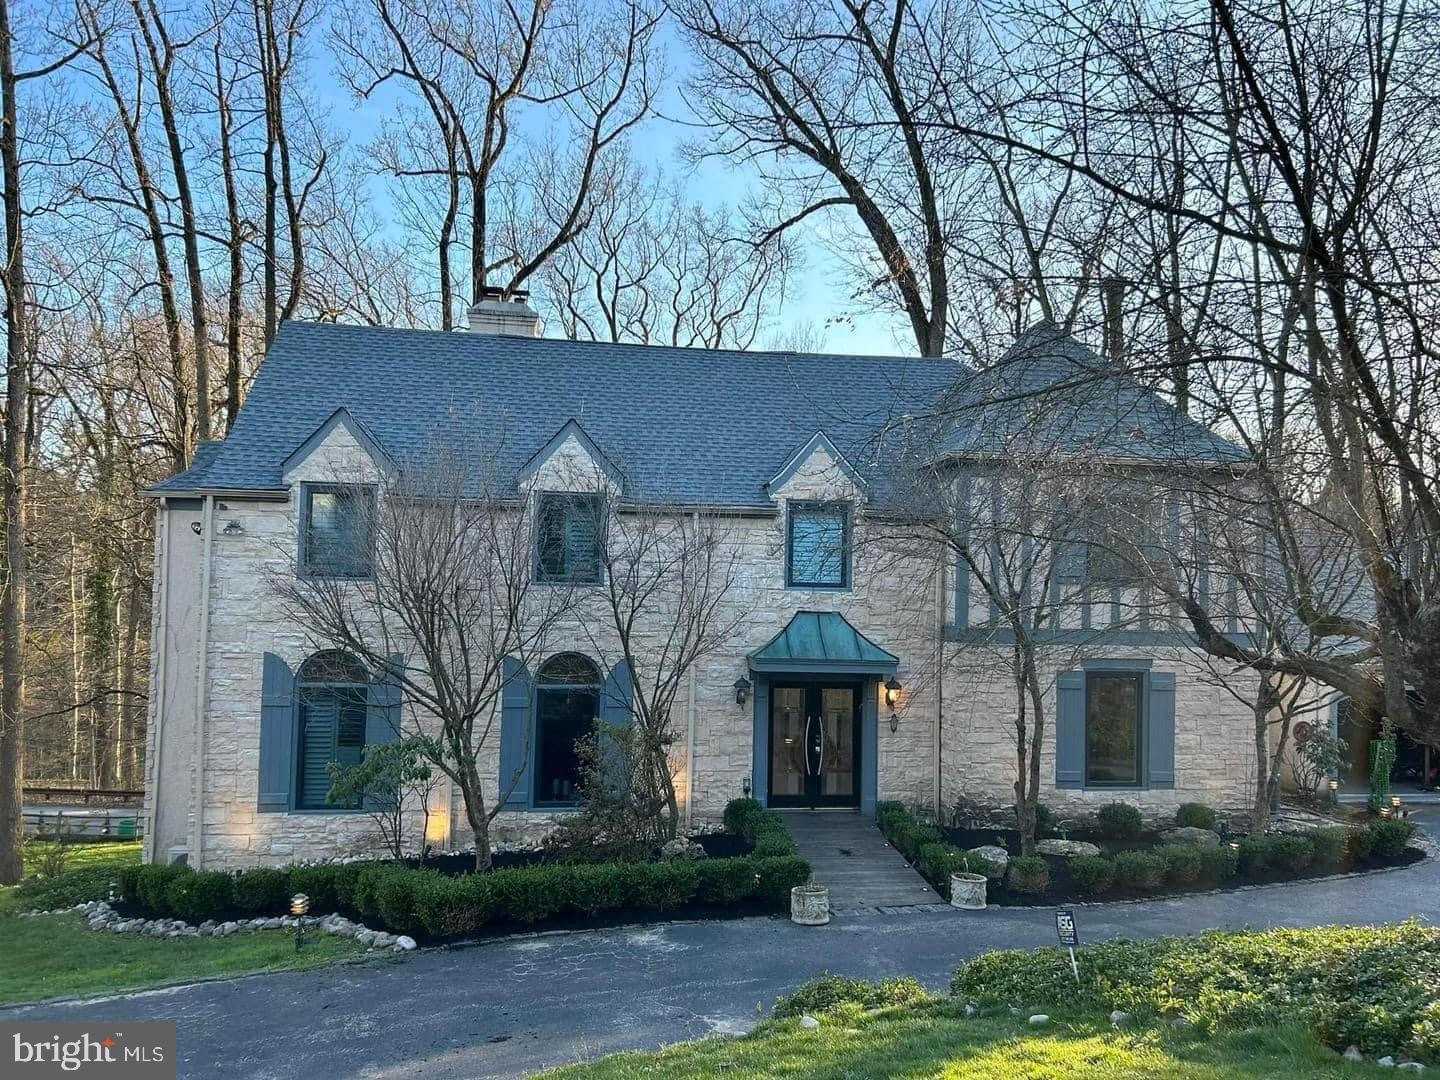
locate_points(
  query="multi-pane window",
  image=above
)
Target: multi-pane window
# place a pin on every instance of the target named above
(336, 539)
(818, 551)
(334, 689)
(567, 702)
(1112, 729)
(567, 536)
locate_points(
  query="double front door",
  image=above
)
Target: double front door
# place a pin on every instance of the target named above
(815, 745)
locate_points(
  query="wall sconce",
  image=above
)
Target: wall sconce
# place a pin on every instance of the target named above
(742, 690)
(745, 786)
(892, 695)
(233, 528)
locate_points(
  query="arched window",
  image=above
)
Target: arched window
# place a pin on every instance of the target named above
(333, 692)
(567, 701)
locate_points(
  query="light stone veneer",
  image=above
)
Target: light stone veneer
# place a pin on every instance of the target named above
(897, 600)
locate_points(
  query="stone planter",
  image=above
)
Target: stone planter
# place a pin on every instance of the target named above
(968, 891)
(810, 905)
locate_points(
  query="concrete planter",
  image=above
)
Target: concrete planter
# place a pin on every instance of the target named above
(967, 891)
(810, 905)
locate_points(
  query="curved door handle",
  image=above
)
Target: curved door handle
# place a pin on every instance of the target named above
(809, 771)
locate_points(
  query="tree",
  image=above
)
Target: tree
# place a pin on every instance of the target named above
(450, 593)
(389, 777)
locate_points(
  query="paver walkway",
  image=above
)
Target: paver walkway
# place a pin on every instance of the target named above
(850, 856)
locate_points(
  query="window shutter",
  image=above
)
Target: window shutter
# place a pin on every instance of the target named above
(1070, 730)
(515, 734)
(277, 735)
(1160, 730)
(617, 709)
(582, 535)
(383, 700)
(317, 748)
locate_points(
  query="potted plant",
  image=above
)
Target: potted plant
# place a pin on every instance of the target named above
(967, 890)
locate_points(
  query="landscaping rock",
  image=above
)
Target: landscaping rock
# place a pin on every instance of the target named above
(382, 940)
(1039, 1020)
(1413, 1066)
(1068, 849)
(1189, 835)
(681, 848)
(1119, 1019)
(994, 854)
(809, 1023)
(1387, 1062)
(405, 943)
(1352, 1053)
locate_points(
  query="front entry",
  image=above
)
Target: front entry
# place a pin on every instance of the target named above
(815, 745)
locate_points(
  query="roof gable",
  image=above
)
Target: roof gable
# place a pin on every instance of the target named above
(340, 419)
(818, 445)
(598, 461)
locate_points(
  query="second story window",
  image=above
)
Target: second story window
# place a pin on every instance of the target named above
(335, 536)
(567, 537)
(817, 552)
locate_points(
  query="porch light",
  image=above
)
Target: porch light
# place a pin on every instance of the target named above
(892, 692)
(742, 690)
(745, 786)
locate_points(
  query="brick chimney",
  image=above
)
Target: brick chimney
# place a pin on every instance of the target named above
(494, 314)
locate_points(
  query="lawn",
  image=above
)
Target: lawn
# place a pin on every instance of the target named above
(78, 856)
(938, 1040)
(58, 955)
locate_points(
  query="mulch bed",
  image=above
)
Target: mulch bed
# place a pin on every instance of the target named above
(1062, 889)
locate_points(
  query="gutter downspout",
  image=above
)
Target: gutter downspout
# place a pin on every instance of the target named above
(202, 667)
(160, 598)
(939, 673)
(690, 732)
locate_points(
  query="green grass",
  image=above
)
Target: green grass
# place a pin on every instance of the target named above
(59, 956)
(85, 854)
(939, 1041)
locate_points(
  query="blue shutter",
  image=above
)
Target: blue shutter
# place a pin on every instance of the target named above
(382, 713)
(319, 718)
(617, 709)
(516, 736)
(277, 735)
(1160, 729)
(1070, 730)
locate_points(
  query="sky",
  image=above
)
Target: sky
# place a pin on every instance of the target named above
(818, 290)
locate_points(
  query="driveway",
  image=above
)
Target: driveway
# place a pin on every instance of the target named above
(511, 1007)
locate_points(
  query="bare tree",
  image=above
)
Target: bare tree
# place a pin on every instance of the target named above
(449, 592)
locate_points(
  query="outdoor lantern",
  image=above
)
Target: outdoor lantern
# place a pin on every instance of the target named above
(299, 906)
(745, 786)
(742, 690)
(1385, 811)
(1334, 786)
(892, 691)
(1395, 801)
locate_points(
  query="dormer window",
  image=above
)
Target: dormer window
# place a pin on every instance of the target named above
(335, 538)
(817, 551)
(567, 537)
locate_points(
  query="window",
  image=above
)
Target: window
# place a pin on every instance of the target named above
(567, 537)
(1112, 729)
(818, 551)
(1117, 537)
(333, 693)
(567, 702)
(335, 529)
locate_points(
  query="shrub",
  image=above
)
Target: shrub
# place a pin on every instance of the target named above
(1389, 836)
(447, 906)
(1028, 874)
(1255, 856)
(779, 876)
(908, 838)
(725, 881)
(262, 892)
(1370, 987)
(888, 813)
(397, 898)
(197, 897)
(1121, 821)
(152, 884)
(1092, 874)
(1194, 815)
(1330, 846)
(1218, 862)
(937, 862)
(738, 812)
(1139, 870)
(602, 886)
(1291, 853)
(1358, 843)
(531, 893)
(1182, 862)
(829, 991)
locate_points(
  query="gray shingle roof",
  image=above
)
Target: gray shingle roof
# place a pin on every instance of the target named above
(689, 425)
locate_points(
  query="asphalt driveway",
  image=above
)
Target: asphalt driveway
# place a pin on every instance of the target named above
(509, 1008)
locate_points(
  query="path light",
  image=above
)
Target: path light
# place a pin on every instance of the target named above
(1334, 790)
(1395, 801)
(892, 695)
(1385, 811)
(299, 907)
(742, 690)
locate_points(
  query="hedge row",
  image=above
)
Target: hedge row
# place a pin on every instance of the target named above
(764, 828)
(409, 901)
(1370, 987)
(924, 848)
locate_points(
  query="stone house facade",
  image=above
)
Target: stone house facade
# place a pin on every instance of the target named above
(863, 663)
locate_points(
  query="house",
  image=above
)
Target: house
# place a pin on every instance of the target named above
(861, 671)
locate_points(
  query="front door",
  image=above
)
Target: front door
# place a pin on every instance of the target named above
(815, 745)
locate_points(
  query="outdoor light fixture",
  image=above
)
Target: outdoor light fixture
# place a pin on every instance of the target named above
(299, 907)
(742, 690)
(745, 787)
(233, 528)
(1385, 811)
(892, 694)
(1395, 801)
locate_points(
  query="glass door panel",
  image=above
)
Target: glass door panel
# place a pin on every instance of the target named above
(837, 751)
(814, 746)
(788, 771)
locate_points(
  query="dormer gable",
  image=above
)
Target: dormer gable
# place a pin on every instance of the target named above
(817, 470)
(341, 449)
(571, 461)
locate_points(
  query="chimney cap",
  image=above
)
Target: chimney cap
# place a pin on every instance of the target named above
(497, 292)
